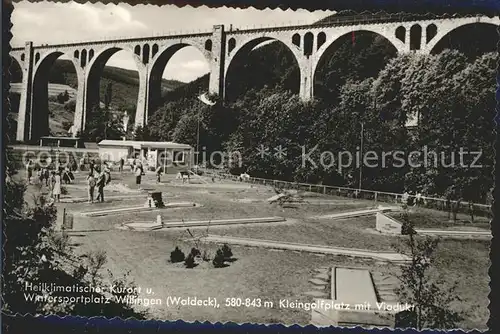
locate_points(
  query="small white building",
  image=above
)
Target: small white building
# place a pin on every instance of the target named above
(171, 156)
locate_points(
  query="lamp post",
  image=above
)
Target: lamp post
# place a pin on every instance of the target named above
(361, 156)
(205, 99)
(198, 141)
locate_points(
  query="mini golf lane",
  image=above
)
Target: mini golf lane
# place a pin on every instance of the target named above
(124, 210)
(353, 293)
(110, 197)
(353, 214)
(353, 286)
(149, 226)
(362, 253)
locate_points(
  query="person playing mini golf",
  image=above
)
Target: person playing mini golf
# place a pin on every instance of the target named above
(158, 173)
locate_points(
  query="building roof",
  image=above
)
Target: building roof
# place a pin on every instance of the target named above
(143, 144)
(60, 138)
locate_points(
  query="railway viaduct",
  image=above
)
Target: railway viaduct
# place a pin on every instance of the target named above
(220, 47)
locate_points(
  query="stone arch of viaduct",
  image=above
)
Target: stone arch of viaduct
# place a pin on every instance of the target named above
(308, 44)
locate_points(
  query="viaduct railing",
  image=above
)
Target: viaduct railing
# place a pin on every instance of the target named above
(332, 21)
(441, 204)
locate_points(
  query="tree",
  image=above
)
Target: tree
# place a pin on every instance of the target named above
(162, 122)
(187, 129)
(108, 95)
(141, 134)
(102, 124)
(446, 93)
(353, 57)
(452, 95)
(430, 300)
(62, 97)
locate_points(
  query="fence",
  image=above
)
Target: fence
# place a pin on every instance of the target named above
(441, 204)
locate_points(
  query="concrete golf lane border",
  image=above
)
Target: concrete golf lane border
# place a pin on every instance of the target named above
(354, 301)
(361, 253)
(110, 197)
(357, 213)
(391, 226)
(149, 226)
(124, 210)
(455, 233)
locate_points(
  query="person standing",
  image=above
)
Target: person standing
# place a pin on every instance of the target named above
(46, 176)
(100, 183)
(91, 167)
(122, 163)
(138, 174)
(39, 174)
(107, 175)
(405, 197)
(67, 175)
(56, 190)
(82, 163)
(418, 199)
(91, 186)
(29, 171)
(158, 173)
(48, 162)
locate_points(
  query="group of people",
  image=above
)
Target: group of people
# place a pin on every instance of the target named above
(97, 178)
(50, 176)
(409, 199)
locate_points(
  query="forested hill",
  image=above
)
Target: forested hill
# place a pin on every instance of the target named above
(125, 82)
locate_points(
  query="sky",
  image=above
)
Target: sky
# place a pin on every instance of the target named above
(51, 23)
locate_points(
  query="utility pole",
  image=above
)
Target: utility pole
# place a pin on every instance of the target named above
(361, 156)
(198, 142)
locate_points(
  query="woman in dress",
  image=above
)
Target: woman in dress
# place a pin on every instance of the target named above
(56, 188)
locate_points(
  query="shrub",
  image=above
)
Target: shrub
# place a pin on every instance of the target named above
(177, 255)
(195, 252)
(61, 98)
(406, 224)
(189, 262)
(66, 125)
(226, 251)
(218, 261)
(407, 228)
(70, 105)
